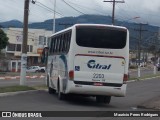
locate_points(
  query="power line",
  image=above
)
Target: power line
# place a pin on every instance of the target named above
(84, 7)
(122, 11)
(113, 11)
(46, 7)
(73, 7)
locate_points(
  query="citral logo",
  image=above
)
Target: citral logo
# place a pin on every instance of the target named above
(93, 65)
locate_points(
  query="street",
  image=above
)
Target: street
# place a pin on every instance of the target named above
(137, 93)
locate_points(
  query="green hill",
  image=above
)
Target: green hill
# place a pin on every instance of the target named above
(148, 36)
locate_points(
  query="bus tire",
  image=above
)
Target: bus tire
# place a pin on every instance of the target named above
(50, 90)
(61, 96)
(103, 99)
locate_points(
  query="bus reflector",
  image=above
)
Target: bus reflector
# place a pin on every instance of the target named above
(98, 84)
(125, 78)
(71, 75)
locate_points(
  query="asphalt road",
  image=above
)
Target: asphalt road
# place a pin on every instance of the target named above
(137, 93)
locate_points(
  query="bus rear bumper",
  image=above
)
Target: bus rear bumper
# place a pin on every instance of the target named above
(96, 90)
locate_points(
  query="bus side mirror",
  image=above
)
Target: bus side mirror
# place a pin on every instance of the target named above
(44, 56)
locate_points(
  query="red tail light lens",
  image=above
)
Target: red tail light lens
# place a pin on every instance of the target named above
(125, 78)
(71, 75)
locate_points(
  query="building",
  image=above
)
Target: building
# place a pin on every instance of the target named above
(37, 40)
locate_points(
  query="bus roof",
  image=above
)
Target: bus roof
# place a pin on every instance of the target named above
(75, 25)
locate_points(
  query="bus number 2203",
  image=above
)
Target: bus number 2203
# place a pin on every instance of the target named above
(95, 75)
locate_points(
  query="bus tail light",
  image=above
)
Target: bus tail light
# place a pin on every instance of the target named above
(125, 78)
(71, 75)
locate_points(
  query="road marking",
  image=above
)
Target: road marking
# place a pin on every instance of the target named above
(18, 77)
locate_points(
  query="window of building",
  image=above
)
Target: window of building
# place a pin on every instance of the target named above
(31, 48)
(18, 47)
(11, 47)
(41, 40)
(27, 48)
(45, 41)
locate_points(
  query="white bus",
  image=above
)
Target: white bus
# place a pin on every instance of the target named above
(88, 59)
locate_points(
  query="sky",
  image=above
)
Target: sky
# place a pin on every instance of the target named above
(139, 11)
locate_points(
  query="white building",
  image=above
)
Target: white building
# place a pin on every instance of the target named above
(37, 40)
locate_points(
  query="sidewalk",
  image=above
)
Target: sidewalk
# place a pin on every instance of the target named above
(16, 75)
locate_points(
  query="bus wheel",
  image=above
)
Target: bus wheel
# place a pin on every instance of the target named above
(61, 96)
(50, 90)
(103, 99)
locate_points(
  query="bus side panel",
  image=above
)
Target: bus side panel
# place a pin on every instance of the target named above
(52, 69)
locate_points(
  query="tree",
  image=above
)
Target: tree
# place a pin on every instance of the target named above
(3, 40)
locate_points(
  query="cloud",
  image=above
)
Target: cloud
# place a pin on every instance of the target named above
(146, 9)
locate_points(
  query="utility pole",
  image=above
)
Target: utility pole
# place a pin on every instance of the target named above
(24, 44)
(113, 10)
(140, 30)
(54, 17)
(66, 24)
(155, 52)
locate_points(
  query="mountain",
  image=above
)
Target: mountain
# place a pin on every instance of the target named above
(11, 23)
(148, 34)
(48, 24)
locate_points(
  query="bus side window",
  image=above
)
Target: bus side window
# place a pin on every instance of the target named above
(51, 46)
(68, 41)
(55, 45)
(58, 44)
(61, 45)
(65, 41)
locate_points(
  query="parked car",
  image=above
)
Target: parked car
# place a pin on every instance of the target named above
(158, 66)
(35, 69)
(42, 69)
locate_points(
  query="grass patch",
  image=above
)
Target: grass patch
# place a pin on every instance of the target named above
(15, 88)
(133, 67)
(2, 73)
(42, 87)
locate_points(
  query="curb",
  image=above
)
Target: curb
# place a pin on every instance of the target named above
(142, 79)
(18, 77)
(142, 68)
(18, 92)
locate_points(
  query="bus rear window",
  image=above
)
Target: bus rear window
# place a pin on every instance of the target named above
(101, 37)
